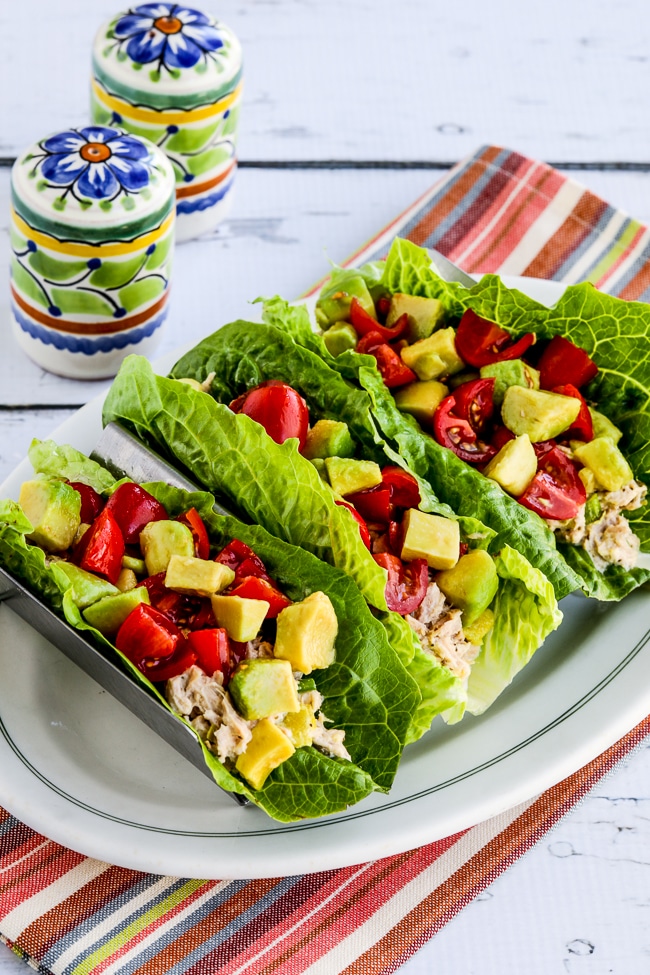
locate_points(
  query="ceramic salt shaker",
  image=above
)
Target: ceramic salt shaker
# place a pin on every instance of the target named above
(92, 231)
(174, 75)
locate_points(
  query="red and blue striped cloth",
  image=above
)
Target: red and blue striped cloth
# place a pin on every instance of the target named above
(71, 915)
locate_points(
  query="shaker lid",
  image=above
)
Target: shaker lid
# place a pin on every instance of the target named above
(96, 180)
(167, 55)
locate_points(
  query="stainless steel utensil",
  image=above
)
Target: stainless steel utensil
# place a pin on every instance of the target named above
(448, 270)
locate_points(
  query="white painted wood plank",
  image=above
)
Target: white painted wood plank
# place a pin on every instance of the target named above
(373, 79)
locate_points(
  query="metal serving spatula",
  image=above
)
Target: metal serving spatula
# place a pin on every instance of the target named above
(449, 271)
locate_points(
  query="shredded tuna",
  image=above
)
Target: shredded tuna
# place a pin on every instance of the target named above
(630, 497)
(329, 740)
(206, 704)
(258, 648)
(439, 629)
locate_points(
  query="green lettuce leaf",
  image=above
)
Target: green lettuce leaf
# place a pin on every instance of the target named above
(70, 464)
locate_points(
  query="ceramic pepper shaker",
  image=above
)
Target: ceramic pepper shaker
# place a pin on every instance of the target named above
(92, 231)
(174, 75)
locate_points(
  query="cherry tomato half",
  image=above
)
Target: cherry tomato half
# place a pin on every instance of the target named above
(363, 323)
(393, 371)
(556, 491)
(194, 522)
(363, 528)
(278, 408)
(133, 508)
(91, 502)
(407, 582)
(242, 560)
(475, 402)
(458, 435)
(212, 649)
(563, 362)
(252, 587)
(583, 426)
(480, 342)
(404, 490)
(103, 547)
(154, 644)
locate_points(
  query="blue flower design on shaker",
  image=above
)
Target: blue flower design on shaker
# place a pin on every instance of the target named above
(173, 35)
(95, 163)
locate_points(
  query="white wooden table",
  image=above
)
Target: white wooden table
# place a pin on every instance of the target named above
(351, 110)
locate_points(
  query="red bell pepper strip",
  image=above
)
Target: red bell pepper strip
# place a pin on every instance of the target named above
(393, 371)
(91, 502)
(194, 522)
(363, 323)
(563, 362)
(556, 491)
(475, 402)
(278, 408)
(480, 342)
(212, 649)
(459, 435)
(407, 583)
(242, 560)
(103, 547)
(583, 426)
(132, 508)
(252, 587)
(363, 528)
(154, 644)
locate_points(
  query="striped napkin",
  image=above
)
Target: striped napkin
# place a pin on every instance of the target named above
(66, 913)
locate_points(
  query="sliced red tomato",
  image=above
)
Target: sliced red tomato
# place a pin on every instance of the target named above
(91, 502)
(475, 402)
(103, 547)
(212, 649)
(180, 608)
(242, 560)
(543, 446)
(407, 582)
(363, 528)
(480, 342)
(133, 508)
(203, 618)
(583, 426)
(404, 490)
(252, 587)
(564, 362)
(383, 306)
(154, 644)
(194, 522)
(395, 536)
(278, 408)
(393, 371)
(556, 491)
(373, 504)
(459, 435)
(363, 323)
(500, 436)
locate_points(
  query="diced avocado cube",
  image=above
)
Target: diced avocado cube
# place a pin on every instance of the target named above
(159, 540)
(540, 414)
(321, 467)
(263, 687)
(471, 584)
(306, 633)
(87, 588)
(334, 302)
(514, 466)
(430, 537)
(424, 315)
(126, 580)
(603, 427)
(189, 574)
(268, 748)
(328, 438)
(421, 399)
(607, 463)
(340, 338)
(109, 613)
(298, 725)
(460, 378)
(240, 617)
(477, 631)
(589, 479)
(513, 373)
(347, 475)
(136, 565)
(435, 357)
(53, 509)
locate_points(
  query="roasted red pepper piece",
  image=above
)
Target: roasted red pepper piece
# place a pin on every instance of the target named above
(475, 402)
(363, 528)
(556, 491)
(194, 522)
(242, 560)
(133, 508)
(459, 435)
(363, 323)
(563, 362)
(583, 425)
(91, 502)
(252, 587)
(212, 649)
(480, 342)
(154, 644)
(393, 371)
(407, 583)
(278, 408)
(103, 547)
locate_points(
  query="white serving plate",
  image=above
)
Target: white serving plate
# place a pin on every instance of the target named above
(78, 767)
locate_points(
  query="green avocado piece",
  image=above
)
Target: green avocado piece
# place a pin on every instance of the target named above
(109, 613)
(298, 725)
(306, 633)
(240, 617)
(513, 373)
(340, 338)
(53, 509)
(471, 585)
(263, 687)
(514, 466)
(347, 475)
(424, 315)
(607, 463)
(87, 588)
(136, 565)
(335, 300)
(319, 464)
(430, 537)
(328, 438)
(603, 427)
(540, 414)
(268, 748)
(200, 576)
(159, 540)
(421, 399)
(434, 357)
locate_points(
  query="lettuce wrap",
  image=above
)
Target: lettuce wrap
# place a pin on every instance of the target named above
(366, 691)
(612, 332)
